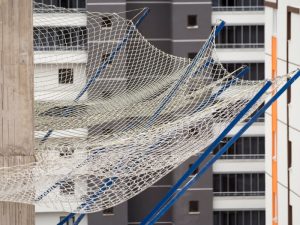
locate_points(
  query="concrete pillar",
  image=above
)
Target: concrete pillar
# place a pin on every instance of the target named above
(16, 98)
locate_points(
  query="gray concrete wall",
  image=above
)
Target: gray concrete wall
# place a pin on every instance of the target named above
(166, 28)
(120, 217)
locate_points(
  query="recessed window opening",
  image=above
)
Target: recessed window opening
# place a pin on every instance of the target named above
(65, 76)
(106, 22)
(195, 171)
(192, 55)
(108, 212)
(192, 21)
(194, 207)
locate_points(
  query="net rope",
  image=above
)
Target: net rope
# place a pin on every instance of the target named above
(114, 114)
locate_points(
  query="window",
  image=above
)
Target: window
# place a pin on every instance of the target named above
(192, 21)
(69, 222)
(244, 148)
(72, 4)
(192, 55)
(65, 151)
(65, 111)
(105, 57)
(238, 5)
(245, 36)
(59, 38)
(106, 22)
(67, 187)
(195, 171)
(248, 184)
(65, 76)
(253, 217)
(108, 212)
(194, 207)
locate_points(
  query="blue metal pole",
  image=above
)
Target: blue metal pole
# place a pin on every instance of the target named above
(66, 219)
(81, 216)
(206, 153)
(223, 88)
(103, 66)
(225, 148)
(181, 80)
(113, 54)
(91, 200)
(59, 182)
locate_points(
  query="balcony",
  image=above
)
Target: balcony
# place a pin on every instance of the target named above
(240, 45)
(248, 193)
(246, 156)
(237, 8)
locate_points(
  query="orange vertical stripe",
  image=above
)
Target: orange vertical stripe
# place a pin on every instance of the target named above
(274, 140)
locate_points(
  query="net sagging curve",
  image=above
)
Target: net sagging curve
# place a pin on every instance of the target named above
(113, 114)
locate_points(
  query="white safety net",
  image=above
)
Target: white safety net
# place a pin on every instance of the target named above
(113, 114)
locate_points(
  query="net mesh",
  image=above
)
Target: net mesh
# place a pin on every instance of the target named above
(113, 114)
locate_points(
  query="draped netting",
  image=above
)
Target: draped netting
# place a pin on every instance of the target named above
(113, 114)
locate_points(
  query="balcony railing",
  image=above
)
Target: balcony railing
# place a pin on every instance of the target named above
(240, 45)
(244, 193)
(246, 156)
(237, 8)
(60, 48)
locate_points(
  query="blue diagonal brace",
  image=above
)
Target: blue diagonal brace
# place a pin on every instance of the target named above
(113, 54)
(206, 153)
(185, 75)
(222, 89)
(210, 100)
(90, 201)
(174, 198)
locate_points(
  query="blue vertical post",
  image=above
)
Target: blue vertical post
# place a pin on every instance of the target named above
(182, 79)
(174, 198)
(206, 153)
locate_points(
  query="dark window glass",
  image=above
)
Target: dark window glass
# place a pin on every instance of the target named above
(106, 21)
(81, 4)
(105, 57)
(216, 182)
(193, 206)
(195, 171)
(65, 76)
(192, 20)
(192, 55)
(108, 212)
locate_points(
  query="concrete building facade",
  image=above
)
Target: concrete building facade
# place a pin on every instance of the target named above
(232, 192)
(282, 121)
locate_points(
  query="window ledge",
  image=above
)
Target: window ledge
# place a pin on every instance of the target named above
(192, 27)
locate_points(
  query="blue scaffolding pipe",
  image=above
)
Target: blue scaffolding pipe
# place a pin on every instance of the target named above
(81, 216)
(91, 200)
(241, 74)
(113, 54)
(66, 219)
(210, 100)
(222, 89)
(182, 79)
(111, 57)
(174, 198)
(206, 153)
